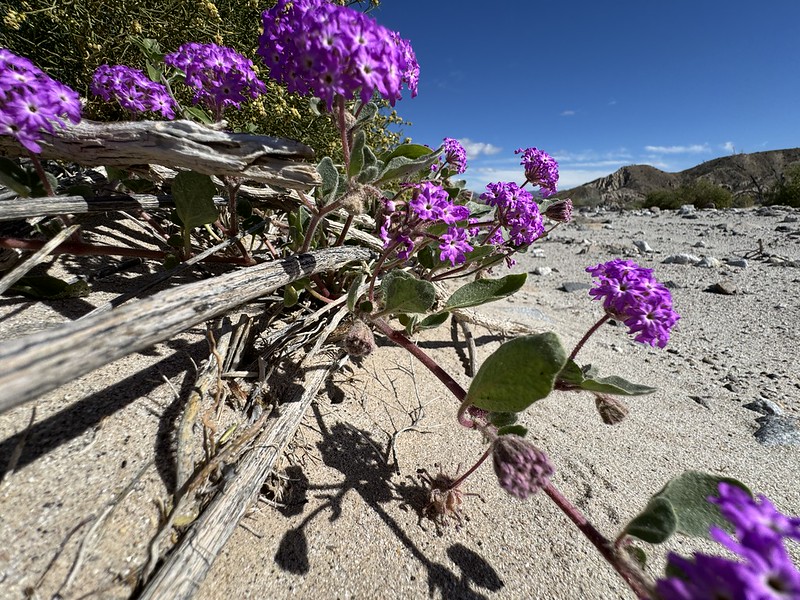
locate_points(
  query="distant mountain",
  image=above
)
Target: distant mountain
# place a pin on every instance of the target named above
(752, 174)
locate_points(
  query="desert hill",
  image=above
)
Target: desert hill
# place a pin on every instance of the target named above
(752, 174)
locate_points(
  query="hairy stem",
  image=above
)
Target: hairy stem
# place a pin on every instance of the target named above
(37, 164)
(472, 469)
(587, 335)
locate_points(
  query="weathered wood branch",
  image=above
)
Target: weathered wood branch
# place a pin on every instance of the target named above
(24, 208)
(185, 569)
(180, 144)
(38, 363)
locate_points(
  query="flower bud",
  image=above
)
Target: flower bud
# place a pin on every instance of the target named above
(521, 468)
(560, 211)
(612, 410)
(359, 340)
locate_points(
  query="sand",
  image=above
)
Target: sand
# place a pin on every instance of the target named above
(343, 519)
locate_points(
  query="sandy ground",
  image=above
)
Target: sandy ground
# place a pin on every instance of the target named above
(343, 518)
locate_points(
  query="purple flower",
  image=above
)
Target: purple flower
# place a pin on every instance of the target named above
(316, 47)
(540, 169)
(133, 90)
(454, 246)
(631, 294)
(521, 468)
(517, 211)
(220, 76)
(429, 201)
(763, 571)
(32, 102)
(455, 155)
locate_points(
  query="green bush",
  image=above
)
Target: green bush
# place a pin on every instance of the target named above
(787, 190)
(69, 40)
(701, 194)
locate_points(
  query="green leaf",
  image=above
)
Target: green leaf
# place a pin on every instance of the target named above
(198, 114)
(330, 178)
(365, 307)
(47, 287)
(434, 320)
(404, 293)
(513, 429)
(367, 113)
(290, 296)
(615, 385)
(501, 419)
(193, 194)
(485, 290)
(518, 373)
(357, 154)
(682, 505)
(637, 555)
(352, 293)
(400, 166)
(571, 374)
(15, 177)
(655, 524)
(412, 151)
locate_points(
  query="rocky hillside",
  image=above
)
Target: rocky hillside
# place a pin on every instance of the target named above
(752, 174)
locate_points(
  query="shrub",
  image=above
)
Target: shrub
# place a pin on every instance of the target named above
(787, 190)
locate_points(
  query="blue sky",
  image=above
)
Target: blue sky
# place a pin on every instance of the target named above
(600, 85)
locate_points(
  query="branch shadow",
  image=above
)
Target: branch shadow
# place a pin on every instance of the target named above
(354, 453)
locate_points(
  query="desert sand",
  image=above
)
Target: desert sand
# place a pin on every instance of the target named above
(342, 517)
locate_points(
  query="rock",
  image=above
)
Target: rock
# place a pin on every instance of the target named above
(536, 253)
(575, 286)
(789, 219)
(709, 262)
(655, 210)
(686, 209)
(700, 244)
(764, 406)
(681, 259)
(725, 287)
(777, 431)
(542, 271)
(737, 262)
(643, 246)
(701, 401)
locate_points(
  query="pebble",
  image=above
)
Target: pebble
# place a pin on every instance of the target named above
(643, 246)
(764, 406)
(725, 287)
(681, 259)
(737, 262)
(777, 430)
(686, 209)
(542, 271)
(575, 286)
(709, 262)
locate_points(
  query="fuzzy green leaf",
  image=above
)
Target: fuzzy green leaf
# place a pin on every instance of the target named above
(330, 178)
(47, 287)
(482, 291)
(404, 293)
(615, 385)
(193, 194)
(434, 320)
(513, 430)
(357, 154)
(412, 151)
(518, 373)
(401, 166)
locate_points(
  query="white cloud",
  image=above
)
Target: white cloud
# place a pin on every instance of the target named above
(693, 149)
(476, 149)
(729, 147)
(567, 113)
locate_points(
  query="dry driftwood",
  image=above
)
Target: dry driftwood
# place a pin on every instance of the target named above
(182, 144)
(23, 208)
(38, 363)
(185, 569)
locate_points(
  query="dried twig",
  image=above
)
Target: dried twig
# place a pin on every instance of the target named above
(22, 269)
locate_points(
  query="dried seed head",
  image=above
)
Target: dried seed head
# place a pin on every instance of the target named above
(612, 410)
(560, 211)
(521, 468)
(359, 341)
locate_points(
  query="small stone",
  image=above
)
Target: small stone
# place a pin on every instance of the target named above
(542, 271)
(777, 431)
(701, 401)
(764, 406)
(725, 287)
(709, 262)
(575, 286)
(737, 262)
(643, 246)
(789, 219)
(537, 253)
(700, 244)
(681, 259)
(686, 209)
(733, 387)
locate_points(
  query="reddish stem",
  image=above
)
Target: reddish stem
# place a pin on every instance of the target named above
(587, 335)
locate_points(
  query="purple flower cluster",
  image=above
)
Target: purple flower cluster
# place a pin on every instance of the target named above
(764, 570)
(521, 468)
(133, 90)
(317, 47)
(631, 294)
(220, 76)
(540, 169)
(455, 155)
(429, 204)
(517, 211)
(32, 102)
